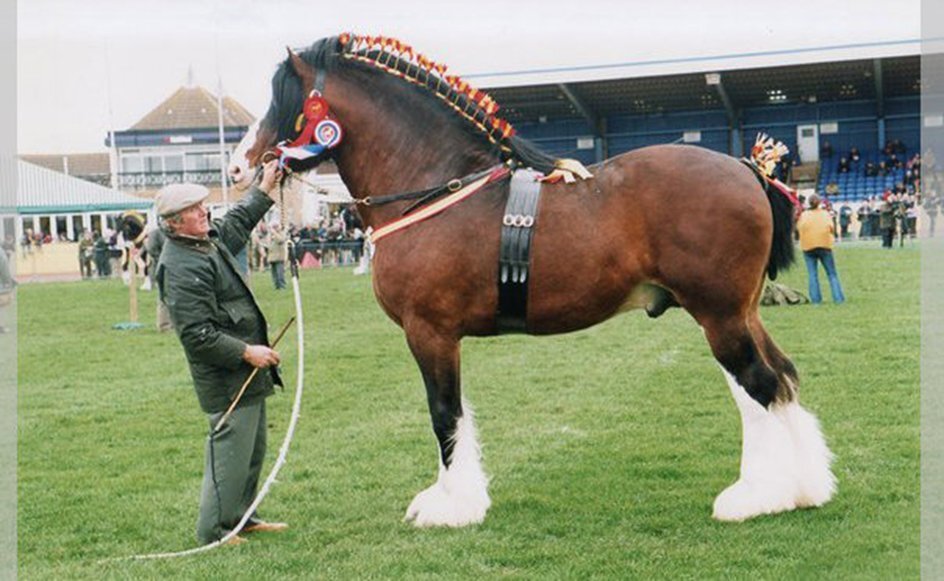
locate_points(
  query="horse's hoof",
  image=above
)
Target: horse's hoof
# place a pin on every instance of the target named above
(435, 506)
(742, 501)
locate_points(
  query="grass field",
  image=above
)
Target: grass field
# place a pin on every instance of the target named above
(605, 447)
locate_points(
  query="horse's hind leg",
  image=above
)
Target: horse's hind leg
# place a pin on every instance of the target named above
(460, 495)
(815, 481)
(784, 456)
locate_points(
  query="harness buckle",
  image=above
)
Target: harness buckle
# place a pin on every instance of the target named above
(454, 185)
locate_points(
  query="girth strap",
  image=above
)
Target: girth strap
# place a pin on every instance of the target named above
(518, 223)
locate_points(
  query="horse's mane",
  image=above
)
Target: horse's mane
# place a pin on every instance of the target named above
(475, 109)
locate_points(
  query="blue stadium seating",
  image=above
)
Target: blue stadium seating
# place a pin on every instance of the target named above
(855, 186)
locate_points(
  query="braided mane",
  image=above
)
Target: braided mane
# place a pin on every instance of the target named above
(476, 108)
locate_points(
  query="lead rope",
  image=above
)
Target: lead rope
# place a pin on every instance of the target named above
(289, 434)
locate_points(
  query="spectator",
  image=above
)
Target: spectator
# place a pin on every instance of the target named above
(826, 151)
(854, 154)
(816, 240)
(871, 170)
(154, 243)
(909, 217)
(845, 219)
(932, 208)
(843, 165)
(275, 251)
(865, 209)
(887, 218)
(257, 246)
(86, 254)
(100, 255)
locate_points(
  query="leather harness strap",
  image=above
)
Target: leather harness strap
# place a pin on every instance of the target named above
(518, 224)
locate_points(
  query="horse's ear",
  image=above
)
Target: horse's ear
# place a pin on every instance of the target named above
(298, 65)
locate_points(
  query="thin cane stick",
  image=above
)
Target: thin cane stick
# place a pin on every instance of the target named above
(249, 379)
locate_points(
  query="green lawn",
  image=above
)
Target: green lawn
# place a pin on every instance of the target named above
(605, 448)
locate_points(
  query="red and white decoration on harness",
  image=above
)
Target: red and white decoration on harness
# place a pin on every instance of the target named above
(320, 132)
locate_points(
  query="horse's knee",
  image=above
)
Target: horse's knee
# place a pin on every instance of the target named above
(738, 353)
(760, 382)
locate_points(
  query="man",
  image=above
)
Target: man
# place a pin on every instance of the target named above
(817, 232)
(100, 254)
(275, 250)
(86, 252)
(223, 334)
(154, 243)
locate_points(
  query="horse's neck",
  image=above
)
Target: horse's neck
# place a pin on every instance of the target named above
(394, 151)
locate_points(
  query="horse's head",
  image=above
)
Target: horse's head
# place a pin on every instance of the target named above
(293, 81)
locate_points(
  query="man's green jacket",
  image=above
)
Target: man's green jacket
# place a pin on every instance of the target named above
(213, 310)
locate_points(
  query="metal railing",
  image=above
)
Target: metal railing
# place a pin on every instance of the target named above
(148, 180)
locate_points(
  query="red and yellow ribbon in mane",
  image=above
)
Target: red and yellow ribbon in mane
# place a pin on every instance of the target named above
(393, 54)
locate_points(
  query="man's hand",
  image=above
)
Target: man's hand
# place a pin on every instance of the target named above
(271, 175)
(261, 356)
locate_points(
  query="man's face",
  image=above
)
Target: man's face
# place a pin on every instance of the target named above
(193, 221)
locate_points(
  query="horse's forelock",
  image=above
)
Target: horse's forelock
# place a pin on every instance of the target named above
(288, 95)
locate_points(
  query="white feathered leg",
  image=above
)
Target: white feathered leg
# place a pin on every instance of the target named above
(784, 461)
(460, 495)
(815, 481)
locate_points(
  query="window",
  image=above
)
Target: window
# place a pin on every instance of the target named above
(61, 229)
(132, 164)
(153, 164)
(174, 163)
(195, 162)
(202, 161)
(77, 227)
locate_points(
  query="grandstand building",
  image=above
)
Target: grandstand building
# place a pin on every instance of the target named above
(863, 103)
(179, 141)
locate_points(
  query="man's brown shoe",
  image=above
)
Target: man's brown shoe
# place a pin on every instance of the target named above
(265, 527)
(236, 540)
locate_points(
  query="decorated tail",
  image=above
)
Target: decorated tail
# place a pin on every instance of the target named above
(766, 152)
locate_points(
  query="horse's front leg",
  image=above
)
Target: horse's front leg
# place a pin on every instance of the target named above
(460, 495)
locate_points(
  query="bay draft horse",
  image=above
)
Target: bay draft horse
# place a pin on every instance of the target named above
(660, 226)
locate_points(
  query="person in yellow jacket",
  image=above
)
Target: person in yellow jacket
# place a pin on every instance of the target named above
(817, 234)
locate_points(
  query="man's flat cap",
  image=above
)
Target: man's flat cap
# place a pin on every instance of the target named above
(176, 197)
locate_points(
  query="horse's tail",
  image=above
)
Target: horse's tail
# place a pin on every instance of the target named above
(782, 206)
(781, 251)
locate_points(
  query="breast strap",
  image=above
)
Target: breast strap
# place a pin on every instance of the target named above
(514, 262)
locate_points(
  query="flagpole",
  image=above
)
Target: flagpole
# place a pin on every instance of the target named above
(113, 147)
(219, 118)
(219, 106)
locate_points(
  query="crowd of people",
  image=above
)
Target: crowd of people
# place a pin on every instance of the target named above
(100, 254)
(893, 213)
(336, 240)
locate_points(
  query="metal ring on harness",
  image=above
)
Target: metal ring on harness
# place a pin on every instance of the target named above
(454, 185)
